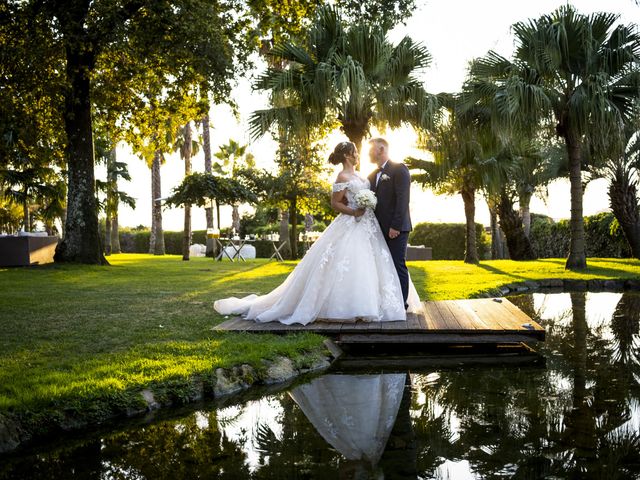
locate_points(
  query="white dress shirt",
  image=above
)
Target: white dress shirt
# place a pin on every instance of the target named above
(380, 172)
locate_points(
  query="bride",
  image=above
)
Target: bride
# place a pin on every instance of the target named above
(347, 274)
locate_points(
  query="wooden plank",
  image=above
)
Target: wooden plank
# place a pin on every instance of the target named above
(433, 319)
(481, 322)
(440, 337)
(516, 312)
(231, 324)
(400, 325)
(455, 320)
(467, 321)
(493, 311)
(450, 320)
(415, 322)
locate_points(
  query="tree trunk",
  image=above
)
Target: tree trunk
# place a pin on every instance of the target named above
(577, 259)
(107, 236)
(284, 233)
(186, 234)
(218, 215)
(81, 242)
(293, 233)
(580, 432)
(235, 217)
(525, 212)
(355, 130)
(115, 234)
(26, 221)
(206, 144)
(470, 252)
(624, 205)
(517, 242)
(156, 241)
(497, 247)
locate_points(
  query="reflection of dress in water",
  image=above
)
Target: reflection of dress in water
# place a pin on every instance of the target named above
(347, 273)
(353, 413)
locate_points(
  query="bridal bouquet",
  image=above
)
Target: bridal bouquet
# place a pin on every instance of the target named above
(365, 199)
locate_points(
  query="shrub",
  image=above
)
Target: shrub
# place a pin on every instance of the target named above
(447, 240)
(551, 239)
(137, 241)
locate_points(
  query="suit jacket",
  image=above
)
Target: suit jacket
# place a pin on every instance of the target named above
(392, 209)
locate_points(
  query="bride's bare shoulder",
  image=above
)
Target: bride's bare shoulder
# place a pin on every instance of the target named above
(343, 177)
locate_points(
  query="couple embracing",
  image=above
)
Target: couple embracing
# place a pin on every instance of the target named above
(356, 269)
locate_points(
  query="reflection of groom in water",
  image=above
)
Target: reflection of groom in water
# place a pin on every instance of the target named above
(391, 182)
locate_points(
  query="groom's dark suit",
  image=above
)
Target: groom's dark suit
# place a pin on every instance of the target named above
(392, 211)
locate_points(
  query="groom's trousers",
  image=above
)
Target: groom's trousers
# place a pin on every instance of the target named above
(398, 249)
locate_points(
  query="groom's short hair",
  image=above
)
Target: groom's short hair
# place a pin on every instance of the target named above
(380, 141)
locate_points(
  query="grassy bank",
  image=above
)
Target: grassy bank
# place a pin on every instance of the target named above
(75, 339)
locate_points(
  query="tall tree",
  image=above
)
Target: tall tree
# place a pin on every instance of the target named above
(622, 172)
(463, 148)
(577, 72)
(188, 147)
(187, 41)
(349, 75)
(105, 149)
(232, 156)
(297, 186)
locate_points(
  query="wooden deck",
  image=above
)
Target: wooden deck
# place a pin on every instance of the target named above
(490, 321)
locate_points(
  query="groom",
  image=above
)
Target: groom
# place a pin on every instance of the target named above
(391, 182)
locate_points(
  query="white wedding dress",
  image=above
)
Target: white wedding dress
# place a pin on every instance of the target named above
(347, 274)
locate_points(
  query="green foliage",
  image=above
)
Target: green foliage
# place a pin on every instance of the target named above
(199, 188)
(551, 239)
(347, 74)
(448, 240)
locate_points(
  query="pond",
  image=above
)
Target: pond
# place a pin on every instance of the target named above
(576, 414)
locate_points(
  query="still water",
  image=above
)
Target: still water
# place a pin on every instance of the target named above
(576, 414)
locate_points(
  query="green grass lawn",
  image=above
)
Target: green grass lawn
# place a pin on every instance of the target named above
(80, 337)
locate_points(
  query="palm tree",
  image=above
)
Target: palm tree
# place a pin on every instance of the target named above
(576, 71)
(105, 152)
(232, 155)
(463, 148)
(188, 147)
(622, 172)
(350, 75)
(206, 145)
(24, 186)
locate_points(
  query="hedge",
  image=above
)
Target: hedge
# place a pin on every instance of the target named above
(137, 241)
(603, 237)
(447, 240)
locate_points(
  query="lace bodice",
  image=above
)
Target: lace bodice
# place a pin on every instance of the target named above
(353, 186)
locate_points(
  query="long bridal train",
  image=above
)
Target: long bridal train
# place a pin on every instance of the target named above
(347, 274)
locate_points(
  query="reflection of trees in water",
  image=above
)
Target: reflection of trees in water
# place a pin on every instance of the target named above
(167, 449)
(299, 452)
(567, 420)
(625, 327)
(174, 450)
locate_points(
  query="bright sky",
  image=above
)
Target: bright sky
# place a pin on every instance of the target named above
(455, 32)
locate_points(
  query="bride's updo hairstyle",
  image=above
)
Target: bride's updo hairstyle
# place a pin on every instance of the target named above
(341, 151)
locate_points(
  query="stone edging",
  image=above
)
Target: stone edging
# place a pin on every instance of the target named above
(567, 284)
(225, 383)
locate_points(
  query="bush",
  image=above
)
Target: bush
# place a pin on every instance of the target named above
(603, 238)
(447, 240)
(137, 241)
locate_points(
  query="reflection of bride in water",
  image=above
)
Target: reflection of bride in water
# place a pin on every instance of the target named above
(353, 413)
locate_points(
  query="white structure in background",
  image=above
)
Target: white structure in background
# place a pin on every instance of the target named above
(197, 250)
(247, 251)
